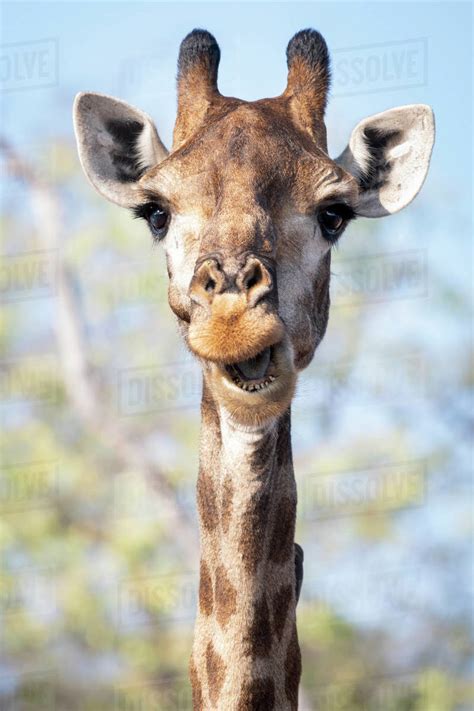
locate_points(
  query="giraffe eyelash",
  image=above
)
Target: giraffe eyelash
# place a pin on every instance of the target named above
(156, 216)
(333, 219)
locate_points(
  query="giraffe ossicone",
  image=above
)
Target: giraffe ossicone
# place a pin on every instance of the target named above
(247, 205)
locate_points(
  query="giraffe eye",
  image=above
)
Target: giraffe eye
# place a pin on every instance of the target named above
(158, 221)
(156, 216)
(333, 219)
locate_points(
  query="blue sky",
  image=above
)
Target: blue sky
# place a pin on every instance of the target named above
(130, 48)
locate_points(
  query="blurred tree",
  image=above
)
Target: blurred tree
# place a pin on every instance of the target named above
(98, 536)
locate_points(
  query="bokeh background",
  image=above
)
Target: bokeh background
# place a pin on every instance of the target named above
(100, 418)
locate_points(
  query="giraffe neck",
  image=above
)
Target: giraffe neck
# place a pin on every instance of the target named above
(245, 651)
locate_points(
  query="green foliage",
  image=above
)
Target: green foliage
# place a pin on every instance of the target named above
(97, 598)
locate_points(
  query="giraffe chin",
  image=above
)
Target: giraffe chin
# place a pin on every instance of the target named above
(256, 400)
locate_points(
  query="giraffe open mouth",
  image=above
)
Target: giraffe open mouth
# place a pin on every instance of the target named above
(255, 373)
(259, 388)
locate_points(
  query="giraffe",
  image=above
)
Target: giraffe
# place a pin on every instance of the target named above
(248, 205)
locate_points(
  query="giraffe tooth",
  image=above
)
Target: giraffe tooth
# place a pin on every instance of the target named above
(252, 386)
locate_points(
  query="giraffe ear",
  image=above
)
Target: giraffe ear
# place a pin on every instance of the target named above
(116, 143)
(389, 154)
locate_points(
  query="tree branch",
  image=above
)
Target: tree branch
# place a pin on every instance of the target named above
(79, 378)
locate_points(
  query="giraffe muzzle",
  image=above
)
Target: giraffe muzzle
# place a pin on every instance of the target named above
(234, 318)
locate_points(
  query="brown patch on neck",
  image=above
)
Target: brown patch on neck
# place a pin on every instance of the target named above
(196, 687)
(207, 503)
(252, 539)
(281, 605)
(209, 414)
(260, 633)
(226, 508)
(226, 597)
(263, 457)
(282, 539)
(215, 673)
(206, 603)
(283, 450)
(293, 670)
(210, 456)
(257, 695)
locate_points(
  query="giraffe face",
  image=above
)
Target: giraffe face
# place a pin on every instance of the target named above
(248, 205)
(253, 208)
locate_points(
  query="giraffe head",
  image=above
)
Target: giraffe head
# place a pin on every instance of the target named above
(247, 205)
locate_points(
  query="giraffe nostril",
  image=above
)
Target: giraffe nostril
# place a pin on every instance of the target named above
(253, 281)
(253, 278)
